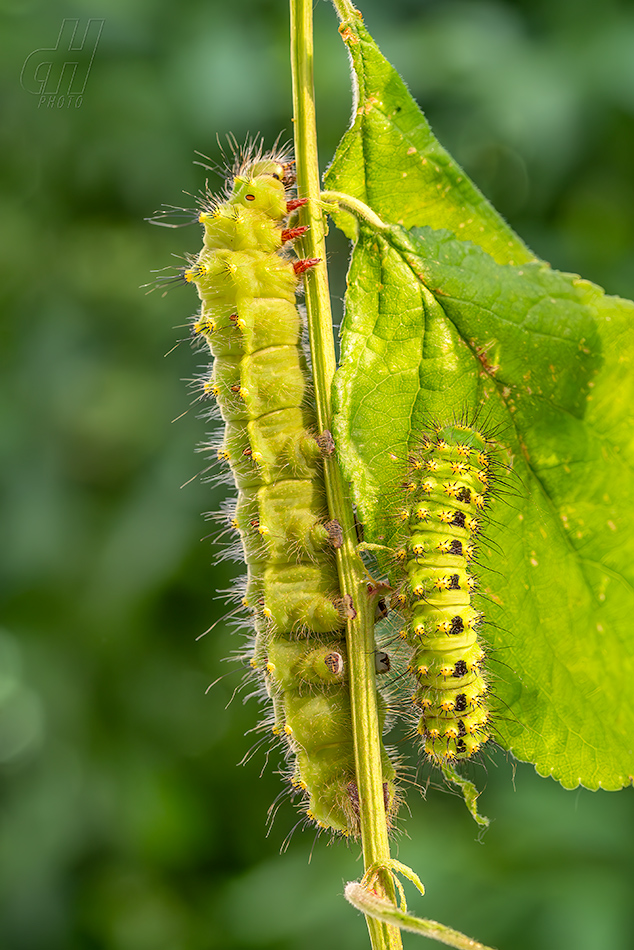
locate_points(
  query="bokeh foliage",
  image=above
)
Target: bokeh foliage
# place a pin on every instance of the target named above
(125, 823)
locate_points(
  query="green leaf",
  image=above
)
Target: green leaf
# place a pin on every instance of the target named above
(390, 159)
(435, 328)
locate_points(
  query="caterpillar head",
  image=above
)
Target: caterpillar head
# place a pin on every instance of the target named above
(261, 187)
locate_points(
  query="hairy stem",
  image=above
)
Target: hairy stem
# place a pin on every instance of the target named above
(360, 627)
(346, 11)
(368, 902)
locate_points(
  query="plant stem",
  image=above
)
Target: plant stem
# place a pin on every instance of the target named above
(360, 627)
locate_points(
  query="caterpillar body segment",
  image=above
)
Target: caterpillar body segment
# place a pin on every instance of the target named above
(309, 687)
(249, 318)
(446, 494)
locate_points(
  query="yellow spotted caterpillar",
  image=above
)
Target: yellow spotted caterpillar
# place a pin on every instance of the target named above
(446, 495)
(247, 283)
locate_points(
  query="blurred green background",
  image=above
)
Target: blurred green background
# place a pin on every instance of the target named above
(125, 823)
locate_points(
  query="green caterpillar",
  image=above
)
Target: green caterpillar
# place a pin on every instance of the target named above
(250, 320)
(446, 492)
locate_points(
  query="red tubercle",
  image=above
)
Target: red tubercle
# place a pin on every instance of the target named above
(289, 234)
(305, 263)
(295, 203)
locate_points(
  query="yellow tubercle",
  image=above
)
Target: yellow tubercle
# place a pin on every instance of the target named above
(204, 326)
(237, 322)
(196, 272)
(209, 388)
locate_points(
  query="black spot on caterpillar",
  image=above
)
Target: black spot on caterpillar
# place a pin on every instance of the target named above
(446, 496)
(247, 283)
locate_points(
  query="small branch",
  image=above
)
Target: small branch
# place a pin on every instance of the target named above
(357, 207)
(371, 903)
